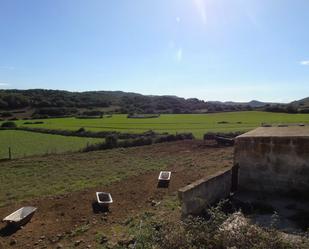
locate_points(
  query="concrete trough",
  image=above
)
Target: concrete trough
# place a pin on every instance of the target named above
(20, 217)
(164, 179)
(104, 199)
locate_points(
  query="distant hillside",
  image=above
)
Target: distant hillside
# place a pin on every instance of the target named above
(252, 103)
(299, 106)
(57, 103)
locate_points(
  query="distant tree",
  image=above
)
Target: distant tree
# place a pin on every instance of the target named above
(291, 109)
(111, 141)
(6, 114)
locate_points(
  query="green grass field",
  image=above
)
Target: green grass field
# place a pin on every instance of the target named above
(24, 143)
(56, 174)
(198, 124)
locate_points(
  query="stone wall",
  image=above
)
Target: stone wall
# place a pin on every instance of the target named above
(205, 192)
(273, 163)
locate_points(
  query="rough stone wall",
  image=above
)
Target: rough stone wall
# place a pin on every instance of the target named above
(205, 192)
(273, 164)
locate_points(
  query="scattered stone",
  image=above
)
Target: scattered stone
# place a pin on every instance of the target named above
(59, 246)
(13, 242)
(77, 242)
(53, 241)
(42, 237)
(103, 239)
(59, 235)
(155, 203)
(127, 241)
(111, 244)
(104, 218)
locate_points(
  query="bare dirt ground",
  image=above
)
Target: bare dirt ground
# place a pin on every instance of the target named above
(69, 220)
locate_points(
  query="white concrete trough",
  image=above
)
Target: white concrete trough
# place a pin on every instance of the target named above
(104, 199)
(164, 178)
(20, 217)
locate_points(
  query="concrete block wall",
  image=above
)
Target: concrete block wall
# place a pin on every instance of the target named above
(273, 164)
(205, 192)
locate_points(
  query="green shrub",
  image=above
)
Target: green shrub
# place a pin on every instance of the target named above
(81, 130)
(198, 232)
(9, 124)
(6, 114)
(111, 141)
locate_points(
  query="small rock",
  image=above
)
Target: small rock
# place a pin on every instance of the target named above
(13, 242)
(42, 237)
(104, 218)
(59, 235)
(127, 241)
(103, 239)
(111, 245)
(59, 246)
(77, 242)
(155, 203)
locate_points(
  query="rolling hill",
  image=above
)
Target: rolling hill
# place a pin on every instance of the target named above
(121, 102)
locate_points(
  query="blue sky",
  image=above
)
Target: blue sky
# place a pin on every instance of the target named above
(210, 49)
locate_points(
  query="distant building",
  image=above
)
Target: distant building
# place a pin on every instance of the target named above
(274, 159)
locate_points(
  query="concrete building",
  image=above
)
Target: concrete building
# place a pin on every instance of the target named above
(274, 159)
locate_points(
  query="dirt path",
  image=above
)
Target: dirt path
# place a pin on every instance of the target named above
(59, 216)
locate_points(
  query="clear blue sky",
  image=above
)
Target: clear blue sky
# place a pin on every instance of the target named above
(211, 49)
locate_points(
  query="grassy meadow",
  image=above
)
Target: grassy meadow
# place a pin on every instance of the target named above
(29, 143)
(198, 124)
(25, 143)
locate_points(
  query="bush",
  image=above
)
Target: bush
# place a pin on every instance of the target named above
(212, 232)
(55, 112)
(6, 114)
(111, 141)
(9, 124)
(39, 116)
(92, 113)
(36, 122)
(81, 130)
(213, 135)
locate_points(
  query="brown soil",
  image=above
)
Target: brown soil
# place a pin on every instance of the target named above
(60, 217)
